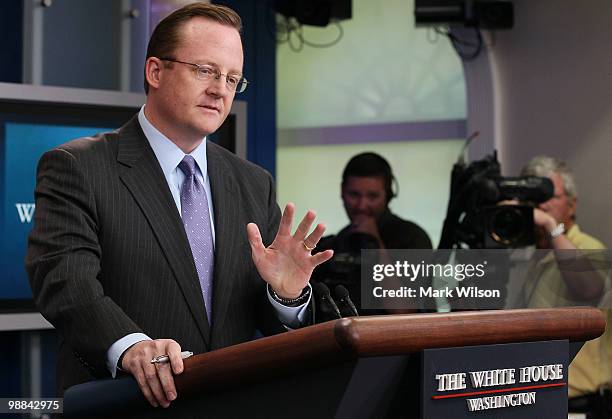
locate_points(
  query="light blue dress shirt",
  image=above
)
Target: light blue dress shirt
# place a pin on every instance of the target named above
(169, 156)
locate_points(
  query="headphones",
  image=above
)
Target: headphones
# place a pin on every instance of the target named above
(391, 185)
(392, 188)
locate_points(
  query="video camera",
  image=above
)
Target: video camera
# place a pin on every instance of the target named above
(345, 267)
(476, 214)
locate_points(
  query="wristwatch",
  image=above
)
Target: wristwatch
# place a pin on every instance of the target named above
(557, 231)
(292, 302)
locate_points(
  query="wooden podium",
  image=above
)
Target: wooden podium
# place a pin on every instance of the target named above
(358, 367)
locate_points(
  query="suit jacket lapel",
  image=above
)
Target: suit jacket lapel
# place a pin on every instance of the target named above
(227, 227)
(145, 180)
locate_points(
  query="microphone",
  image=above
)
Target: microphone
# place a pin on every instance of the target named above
(328, 307)
(342, 294)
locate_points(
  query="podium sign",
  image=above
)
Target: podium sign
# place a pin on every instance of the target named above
(514, 380)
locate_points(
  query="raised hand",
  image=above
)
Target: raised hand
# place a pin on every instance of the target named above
(287, 263)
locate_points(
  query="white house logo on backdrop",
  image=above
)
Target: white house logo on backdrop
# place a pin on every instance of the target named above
(494, 398)
(25, 211)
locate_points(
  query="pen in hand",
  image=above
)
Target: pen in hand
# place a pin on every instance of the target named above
(164, 359)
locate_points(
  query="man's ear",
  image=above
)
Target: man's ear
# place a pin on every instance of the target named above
(153, 69)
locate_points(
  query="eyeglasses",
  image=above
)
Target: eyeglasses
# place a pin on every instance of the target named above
(234, 83)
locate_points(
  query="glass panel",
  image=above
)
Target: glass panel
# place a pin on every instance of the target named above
(310, 176)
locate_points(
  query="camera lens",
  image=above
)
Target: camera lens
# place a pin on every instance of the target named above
(507, 225)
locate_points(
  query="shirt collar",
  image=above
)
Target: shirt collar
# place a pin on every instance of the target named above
(169, 154)
(572, 233)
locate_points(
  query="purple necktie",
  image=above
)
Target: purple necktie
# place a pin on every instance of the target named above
(196, 219)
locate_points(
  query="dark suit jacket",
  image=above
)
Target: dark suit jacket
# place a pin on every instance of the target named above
(108, 254)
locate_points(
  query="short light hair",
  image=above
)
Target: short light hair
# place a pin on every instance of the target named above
(166, 37)
(547, 166)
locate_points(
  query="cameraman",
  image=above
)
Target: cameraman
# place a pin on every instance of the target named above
(366, 192)
(367, 189)
(550, 286)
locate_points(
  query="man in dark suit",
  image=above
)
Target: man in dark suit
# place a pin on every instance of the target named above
(120, 260)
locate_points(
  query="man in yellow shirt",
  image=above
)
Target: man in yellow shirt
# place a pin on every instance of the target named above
(551, 284)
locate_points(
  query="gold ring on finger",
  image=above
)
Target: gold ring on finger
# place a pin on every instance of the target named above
(310, 249)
